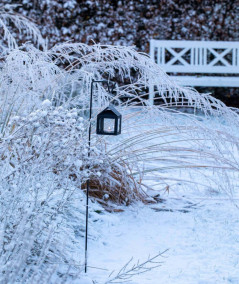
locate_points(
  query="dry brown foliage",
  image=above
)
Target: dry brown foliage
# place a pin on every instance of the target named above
(121, 188)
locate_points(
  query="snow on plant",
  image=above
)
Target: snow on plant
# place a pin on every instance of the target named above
(181, 149)
(54, 139)
(44, 99)
(8, 18)
(129, 270)
(34, 192)
(44, 160)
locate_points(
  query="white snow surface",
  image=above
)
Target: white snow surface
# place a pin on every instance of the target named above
(203, 242)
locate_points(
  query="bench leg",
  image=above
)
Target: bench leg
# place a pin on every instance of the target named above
(151, 93)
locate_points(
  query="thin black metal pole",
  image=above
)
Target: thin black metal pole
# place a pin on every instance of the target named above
(88, 182)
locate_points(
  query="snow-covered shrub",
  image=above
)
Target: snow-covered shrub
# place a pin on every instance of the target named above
(32, 210)
(35, 191)
(54, 139)
(196, 152)
(49, 139)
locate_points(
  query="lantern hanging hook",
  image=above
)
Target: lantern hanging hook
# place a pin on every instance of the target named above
(111, 89)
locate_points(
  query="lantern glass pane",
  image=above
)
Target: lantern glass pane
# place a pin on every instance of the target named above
(109, 125)
(118, 125)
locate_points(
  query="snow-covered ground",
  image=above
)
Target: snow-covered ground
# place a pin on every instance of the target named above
(201, 235)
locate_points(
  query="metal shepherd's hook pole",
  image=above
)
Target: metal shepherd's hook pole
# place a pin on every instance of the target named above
(88, 181)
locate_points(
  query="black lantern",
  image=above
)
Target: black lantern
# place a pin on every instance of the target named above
(109, 122)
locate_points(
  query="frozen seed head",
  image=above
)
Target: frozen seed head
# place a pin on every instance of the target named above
(46, 104)
(38, 185)
(78, 163)
(106, 196)
(15, 118)
(44, 113)
(36, 124)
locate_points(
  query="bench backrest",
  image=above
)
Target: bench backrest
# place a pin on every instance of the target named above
(196, 56)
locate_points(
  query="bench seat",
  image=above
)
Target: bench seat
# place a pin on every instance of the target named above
(207, 81)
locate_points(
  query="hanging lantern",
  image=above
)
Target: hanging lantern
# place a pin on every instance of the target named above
(109, 122)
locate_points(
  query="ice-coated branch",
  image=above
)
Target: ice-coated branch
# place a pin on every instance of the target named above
(21, 23)
(128, 271)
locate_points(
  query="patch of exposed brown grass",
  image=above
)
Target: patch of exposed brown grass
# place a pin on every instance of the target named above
(120, 188)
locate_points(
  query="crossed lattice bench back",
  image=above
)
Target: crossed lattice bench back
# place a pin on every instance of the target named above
(204, 59)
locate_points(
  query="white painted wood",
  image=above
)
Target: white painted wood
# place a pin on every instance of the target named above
(206, 81)
(198, 57)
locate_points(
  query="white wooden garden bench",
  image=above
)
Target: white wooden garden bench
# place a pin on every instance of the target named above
(204, 59)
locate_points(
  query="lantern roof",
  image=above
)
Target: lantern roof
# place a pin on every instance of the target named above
(110, 109)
